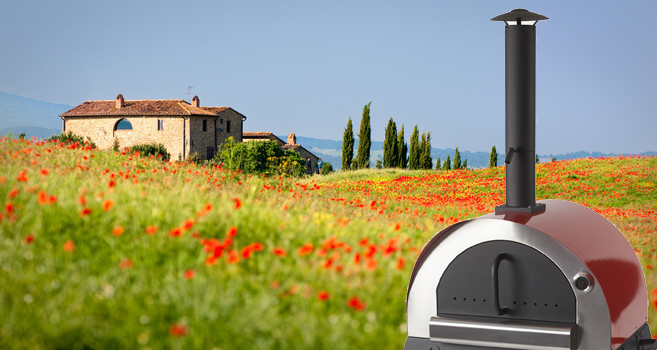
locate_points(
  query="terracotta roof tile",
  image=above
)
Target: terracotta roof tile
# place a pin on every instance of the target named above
(141, 107)
(256, 134)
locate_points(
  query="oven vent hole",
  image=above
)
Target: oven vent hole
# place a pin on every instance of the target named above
(535, 304)
(473, 299)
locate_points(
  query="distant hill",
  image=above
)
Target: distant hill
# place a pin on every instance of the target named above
(33, 117)
(331, 151)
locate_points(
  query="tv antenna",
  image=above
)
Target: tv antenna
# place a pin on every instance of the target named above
(189, 93)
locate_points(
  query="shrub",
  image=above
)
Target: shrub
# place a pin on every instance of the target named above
(327, 168)
(151, 149)
(70, 137)
(195, 158)
(260, 157)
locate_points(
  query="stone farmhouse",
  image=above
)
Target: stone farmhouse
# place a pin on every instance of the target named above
(183, 128)
(291, 144)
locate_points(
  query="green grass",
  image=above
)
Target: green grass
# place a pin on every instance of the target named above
(133, 291)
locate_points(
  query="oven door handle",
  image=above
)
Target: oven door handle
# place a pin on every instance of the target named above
(496, 284)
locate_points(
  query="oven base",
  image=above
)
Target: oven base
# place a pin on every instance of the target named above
(640, 340)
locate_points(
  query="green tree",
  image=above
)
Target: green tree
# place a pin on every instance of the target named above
(327, 168)
(536, 158)
(438, 163)
(446, 164)
(364, 139)
(457, 159)
(425, 151)
(390, 147)
(492, 162)
(465, 164)
(402, 161)
(414, 151)
(347, 146)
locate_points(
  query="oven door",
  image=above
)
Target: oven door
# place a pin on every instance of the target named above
(504, 295)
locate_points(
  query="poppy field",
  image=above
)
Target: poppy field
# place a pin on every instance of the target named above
(107, 250)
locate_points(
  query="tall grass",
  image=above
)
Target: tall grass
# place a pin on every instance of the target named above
(105, 250)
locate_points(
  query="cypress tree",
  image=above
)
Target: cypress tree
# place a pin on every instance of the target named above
(364, 139)
(492, 162)
(390, 147)
(438, 163)
(446, 164)
(402, 161)
(457, 159)
(347, 146)
(414, 150)
(465, 164)
(425, 152)
(536, 158)
(427, 149)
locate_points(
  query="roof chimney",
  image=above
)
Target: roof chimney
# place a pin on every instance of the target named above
(291, 139)
(195, 101)
(120, 102)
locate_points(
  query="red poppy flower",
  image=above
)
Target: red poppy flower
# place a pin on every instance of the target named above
(176, 232)
(371, 264)
(306, 249)
(400, 263)
(211, 260)
(69, 246)
(29, 238)
(22, 176)
(178, 330)
(231, 232)
(108, 204)
(82, 201)
(237, 202)
(356, 304)
(13, 193)
(189, 274)
(118, 230)
(280, 252)
(188, 224)
(246, 252)
(151, 230)
(233, 258)
(85, 211)
(125, 264)
(45, 171)
(323, 295)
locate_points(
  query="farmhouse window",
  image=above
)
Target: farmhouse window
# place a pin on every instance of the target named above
(160, 124)
(123, 124)
(205, 125)
(227, 125)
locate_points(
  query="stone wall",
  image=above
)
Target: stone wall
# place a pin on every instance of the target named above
(203, 142)
(100, 130)
(236, 128)
(305, 155)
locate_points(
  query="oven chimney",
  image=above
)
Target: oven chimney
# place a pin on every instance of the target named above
(520, 111)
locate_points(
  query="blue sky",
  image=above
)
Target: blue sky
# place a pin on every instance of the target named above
(306, 66)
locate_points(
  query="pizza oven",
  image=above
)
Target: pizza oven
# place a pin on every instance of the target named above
(546, 275)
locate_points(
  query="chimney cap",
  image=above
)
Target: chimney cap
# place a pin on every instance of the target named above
(519, 15)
